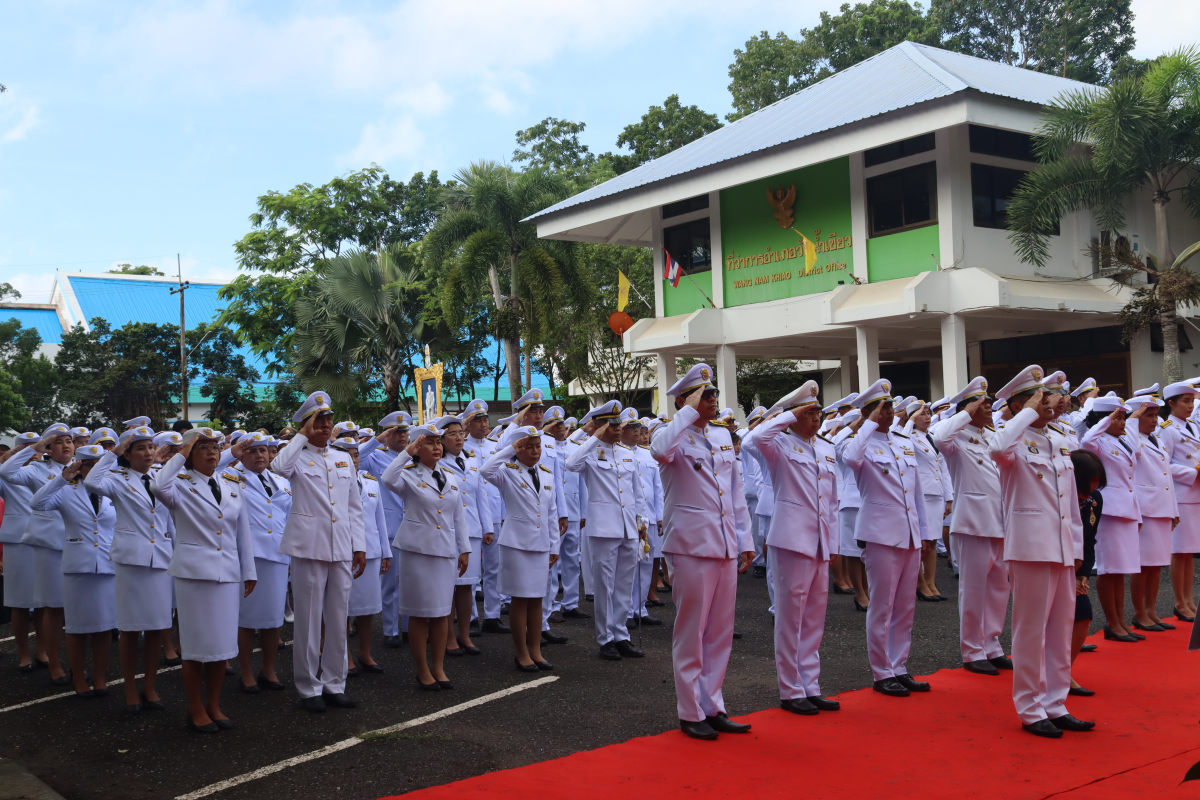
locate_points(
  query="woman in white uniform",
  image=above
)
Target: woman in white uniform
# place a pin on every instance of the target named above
(45, 534)
(213, 568)
(434, 548)
(849, 501)
(141, 551)
(1160, 514)
(366, 598)
(477, 516)
(935, 482)
(1118, 549)
(89, 580)
(20, 591)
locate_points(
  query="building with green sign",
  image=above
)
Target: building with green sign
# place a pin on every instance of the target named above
(860, 223)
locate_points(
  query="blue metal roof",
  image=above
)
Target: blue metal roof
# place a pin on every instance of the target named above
(120, 301)
(898, 77)
(44, 320)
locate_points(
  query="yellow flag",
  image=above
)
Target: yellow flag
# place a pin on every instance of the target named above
(810, 252)
(622, 291)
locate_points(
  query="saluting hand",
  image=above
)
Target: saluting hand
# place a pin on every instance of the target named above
(974, 405)
(1141, 411)
(412, 448)
(163, 454)
(306, 430)
(695, 397)
(71, 470)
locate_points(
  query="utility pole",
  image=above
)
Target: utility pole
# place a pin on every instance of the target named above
(183, 381)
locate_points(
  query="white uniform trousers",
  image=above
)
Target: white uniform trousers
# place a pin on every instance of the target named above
(705, 592)
(613, 562)
(389, 588)
(569, 561)
(1043, 615)
(757, 534)
(320, 590)
(892, 576)
(548, 602)
(585, 562)
(764, 524)
(982, 595)
(803, 593)
(643, 574)
(491, 579)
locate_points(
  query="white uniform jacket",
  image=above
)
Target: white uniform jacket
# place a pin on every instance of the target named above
(651, 482)
(935, 472)
(615, 491)
(704, 503)
(1037, 481)
(553, 457)
(88, 532)
(848, 494)
(531, 521)
(750, 475)
(434, 521)
(804, 474)
(143, 531)
(325, 523)
(268, 512)
(45, 528)
(212, 538)
(1120, 455)
(1183, 442)
(375, 459)
(477, 508)
(374, 529)
(885, 468)
(766, 489)
(16, 512)
(575, 487)
(480, 451)
(1155, 488)
(976, 477)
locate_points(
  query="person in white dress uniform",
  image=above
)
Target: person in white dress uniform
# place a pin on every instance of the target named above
(89, 580)
(20, 589)
(325, 537)
(434, 546)
(213, 568)
(268, 501)
(892, 526)
(1160, 513)
(1182, 439)
(1043, 545)
(45, 533)
(141, 550)
(801, 543)
(977, 529)
(939, 494)
(571, 550)
(707, 533)
(553, 456)
(647, 470)
(375, 456)
(479, 442)
(849, 502)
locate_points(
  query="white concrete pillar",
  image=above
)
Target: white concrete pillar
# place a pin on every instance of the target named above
(665, 371)
(868, 356)
(954, 354)
(717, 252)
(936, 380)
(846, 372)
(726, 366)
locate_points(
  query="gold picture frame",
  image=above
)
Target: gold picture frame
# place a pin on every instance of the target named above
(428, 378)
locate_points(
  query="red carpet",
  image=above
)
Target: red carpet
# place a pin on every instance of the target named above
(961, 740)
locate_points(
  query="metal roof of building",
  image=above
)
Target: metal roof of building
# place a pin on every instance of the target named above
(120, 300)
(901, 76)
(44, 320)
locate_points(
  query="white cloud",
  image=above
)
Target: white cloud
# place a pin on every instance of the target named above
(383, 141)
(18, 115)
(1164, 25)
(34, 287)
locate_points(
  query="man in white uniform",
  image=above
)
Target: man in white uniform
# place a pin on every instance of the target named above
(375, 456)
(647, 470)
(325, 537)
(570, 558)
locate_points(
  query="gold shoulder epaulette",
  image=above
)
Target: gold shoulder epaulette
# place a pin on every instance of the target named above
(622, 446)
(369, 476)
(547, 469)
(1165, 423)
(901, 435)
(644, 447)
(234, 478)
(413, 465)
(512, 465)
(824, 437)
(990, 428)
(73, 482)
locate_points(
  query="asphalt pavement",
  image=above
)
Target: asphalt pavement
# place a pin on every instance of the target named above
(90, 749)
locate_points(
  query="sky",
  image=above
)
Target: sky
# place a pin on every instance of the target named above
(132, 132)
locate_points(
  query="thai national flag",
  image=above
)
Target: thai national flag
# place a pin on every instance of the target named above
(671, 269)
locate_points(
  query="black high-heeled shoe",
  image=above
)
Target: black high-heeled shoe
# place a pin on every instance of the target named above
(1079, 691)
(429, 687)
(524, 668)
(543, 666)
(1155, 627)
(1180, 615)
(858, 606)
(209, 728)
(839, 590)
(1165, 625)
(1116, 637)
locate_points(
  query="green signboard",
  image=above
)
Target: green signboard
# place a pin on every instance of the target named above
(787, 235)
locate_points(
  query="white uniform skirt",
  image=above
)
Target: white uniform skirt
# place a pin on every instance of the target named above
(208, 613)
(263, 609)
(47, 566)
(1118, 551)
(1155, 539)
(846, 541)
(144, 598)
(935, 510)
(1184, 539)
(523, 573)
(90, 602)
(427, 584)
(474, 566)
(365, 595)
(20, 577)
(656, 541)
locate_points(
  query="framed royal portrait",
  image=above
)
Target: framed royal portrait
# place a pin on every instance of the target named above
(429, 392)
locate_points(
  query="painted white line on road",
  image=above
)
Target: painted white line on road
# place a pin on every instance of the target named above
(355, 740)
(10, 638)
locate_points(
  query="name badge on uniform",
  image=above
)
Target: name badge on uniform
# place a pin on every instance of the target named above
(233, 494)
(909, 453)
(341, 464)
(831, 459)
(726, 447)
(1033, 449)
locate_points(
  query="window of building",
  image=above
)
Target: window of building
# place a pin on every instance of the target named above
(991, 190)
(902, 200)
(685, 206)
(1006, 144)
(890, 152)
(689, 245)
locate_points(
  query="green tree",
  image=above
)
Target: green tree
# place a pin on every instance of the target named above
(770, 69)
(553, 145)
(660, 130)
(7, 291)
(21, 358)
(1143, 139)
(129, 269)
(226, 380)
(14, 412)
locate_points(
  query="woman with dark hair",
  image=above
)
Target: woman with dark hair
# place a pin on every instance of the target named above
(1089, 480)
(1182, 437)
(1160, 515)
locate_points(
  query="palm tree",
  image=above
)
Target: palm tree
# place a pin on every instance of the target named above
(361, 319)
(1137, 134)
(481, 244)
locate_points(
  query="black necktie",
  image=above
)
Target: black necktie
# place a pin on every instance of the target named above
(1188, 425)
(95, 502)
(439, 479)
(216, 490)
(533, 474)
(146, 483)
(462, 465)
(1128, 449)
(266, 486)
(1153, 440)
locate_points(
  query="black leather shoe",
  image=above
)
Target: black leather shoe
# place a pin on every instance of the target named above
(655, 604)
(760, 572)
(456, 652)
(274, 686)
(858, 606)
(698, 730)
(651, 621)
(392, 641)
(1079, 691)
(891, 687)
(62, 680)
(1109, 636)
(627, 650)
(479, 596)
(799, 705)
(824, 703)
(224, 724)
(494, 626)
(249, 689)
(473, 628)
(136, 708)
(1089, 648)
(552, 638)
(1001, 662)
(524, 667)
(339, 700)
(556, 616)
(576, 613)
(1181, 616)
(721, 723)
(374, 669)
(431, 687)
(152, 705)
(209, 728)
(1154, 627)
(981, 667)
(1068, 723)
(928, 598)
(912, 685)
(591, 598)
(609, 652)
(313, 705)
(839, 590)
(469, 649)
(41, 664)
(505, 607)
(544, 666)
(353, 672)
(172, 662)
(1166, 626)
(25, 670)
(1043, 727)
